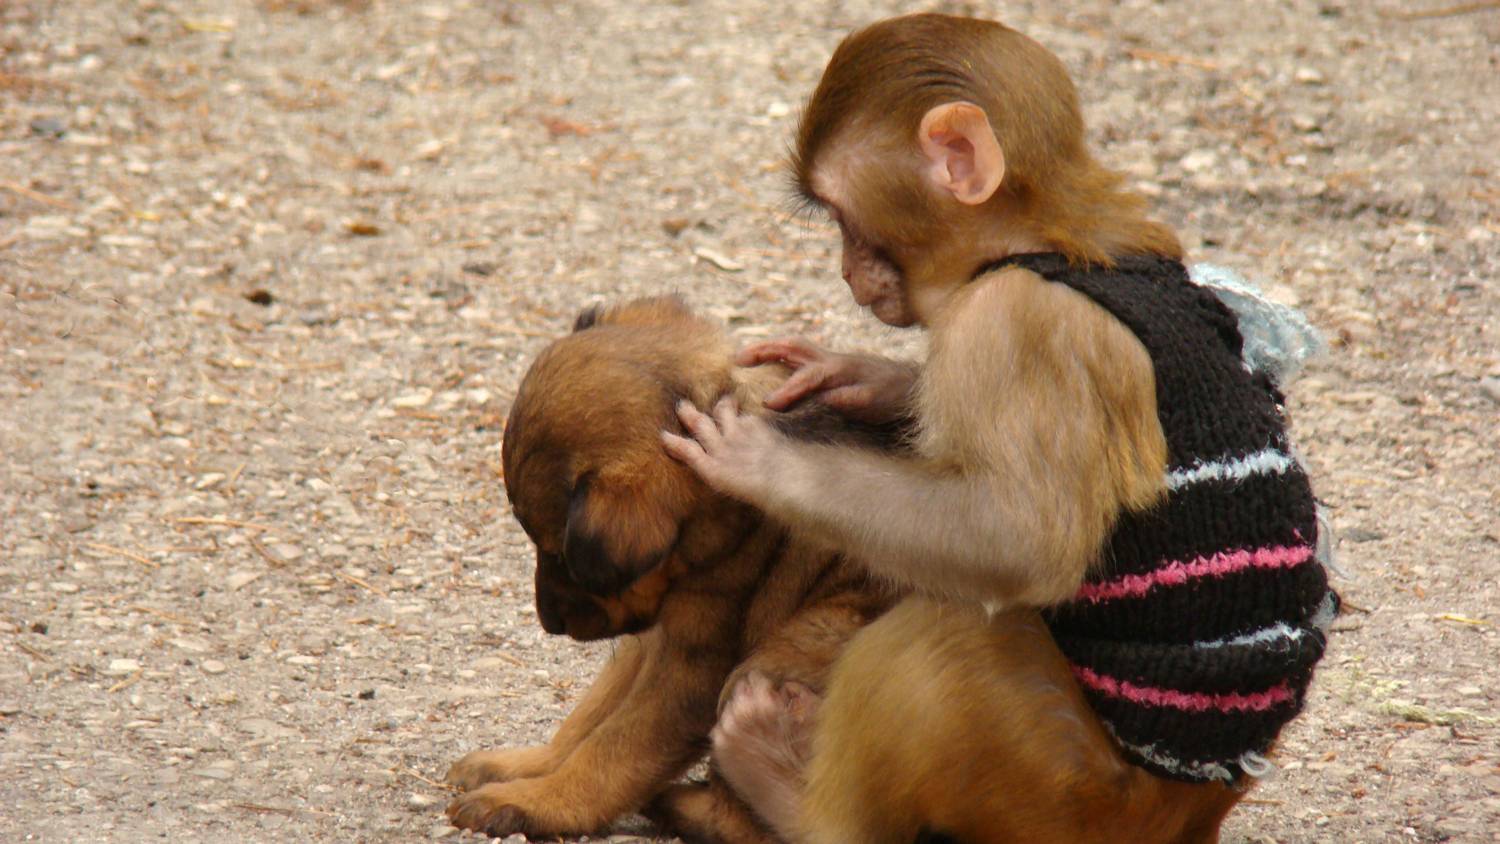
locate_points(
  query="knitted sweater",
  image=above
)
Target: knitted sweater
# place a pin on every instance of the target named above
(1195, 635)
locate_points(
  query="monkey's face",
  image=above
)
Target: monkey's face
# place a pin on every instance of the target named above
(585, 471)
(875, 281)
(868, 188)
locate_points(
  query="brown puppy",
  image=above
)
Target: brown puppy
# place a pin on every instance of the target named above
(629, 541)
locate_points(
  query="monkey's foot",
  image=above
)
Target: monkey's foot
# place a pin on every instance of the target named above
(762, 745)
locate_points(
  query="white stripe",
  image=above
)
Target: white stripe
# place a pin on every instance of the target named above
(1279, 630)
(1196, 770)
(1321, 618)
(1252, 763)
(1265, 462)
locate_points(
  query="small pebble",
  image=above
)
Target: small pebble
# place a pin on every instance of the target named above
(241, 579)
(718, 259)
(418, 399)
(118, 667)
(1309, 76)
(1490, 388)
(1199, 160)
(213, 666)
(1359, 535)
(421, 802)
(49, 127)
(214, 773)
(442, 831)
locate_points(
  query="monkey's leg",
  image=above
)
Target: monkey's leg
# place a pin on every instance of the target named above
(946, 719)
(707, 813)
(763, 739)
(762, 744)
(649, 738)
(611, 687)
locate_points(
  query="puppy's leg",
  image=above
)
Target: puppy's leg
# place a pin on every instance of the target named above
(707, 813)
(649, 738)
(613, 684)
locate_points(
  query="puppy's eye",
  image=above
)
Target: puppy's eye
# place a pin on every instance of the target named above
(580, 486)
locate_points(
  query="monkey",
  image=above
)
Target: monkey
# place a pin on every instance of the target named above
(699, 589)
(1097, 480)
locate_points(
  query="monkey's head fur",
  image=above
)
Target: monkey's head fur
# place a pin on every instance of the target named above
(613, 517)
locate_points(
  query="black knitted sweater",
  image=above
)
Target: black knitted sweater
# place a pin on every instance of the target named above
(1195, 635)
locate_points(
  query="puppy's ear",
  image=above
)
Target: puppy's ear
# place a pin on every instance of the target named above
(619, 528)
(652, 311)
(587, 318)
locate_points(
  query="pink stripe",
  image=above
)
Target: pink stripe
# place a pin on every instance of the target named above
(1178, 572)
(1188, 701)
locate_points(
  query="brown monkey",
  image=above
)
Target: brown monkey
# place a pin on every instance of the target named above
(1089, 443)
(630, 542)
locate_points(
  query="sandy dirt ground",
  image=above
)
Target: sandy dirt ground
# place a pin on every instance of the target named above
(270, 271)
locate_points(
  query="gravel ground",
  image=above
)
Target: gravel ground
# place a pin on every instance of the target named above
(269, 272)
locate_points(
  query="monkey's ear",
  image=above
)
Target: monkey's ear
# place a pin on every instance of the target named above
(964, 157)
(616, 532)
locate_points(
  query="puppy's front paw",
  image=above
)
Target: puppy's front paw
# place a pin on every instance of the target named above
(489, 809)
(486, 766)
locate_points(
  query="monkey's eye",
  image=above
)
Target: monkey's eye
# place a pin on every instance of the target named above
(809, 207)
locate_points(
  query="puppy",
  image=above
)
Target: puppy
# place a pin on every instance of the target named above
(706, 593)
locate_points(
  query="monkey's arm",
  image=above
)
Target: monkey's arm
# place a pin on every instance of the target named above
(1038, 426)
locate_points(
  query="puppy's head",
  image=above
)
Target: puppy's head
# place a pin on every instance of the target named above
(585, 471)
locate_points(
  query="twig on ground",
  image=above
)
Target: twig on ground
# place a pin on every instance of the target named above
(127, 682)
(41, 655)
(215, 521)
(1461, 619)
(261, 549)
(1171, 59)
(234, 476)
(1443, 11)
(278, 810)
(129, 555)
(36, 196)
(172, 617)
(417, 776)
(359, 581)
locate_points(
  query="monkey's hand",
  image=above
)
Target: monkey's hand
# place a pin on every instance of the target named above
(865, 388)
(733, 453)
